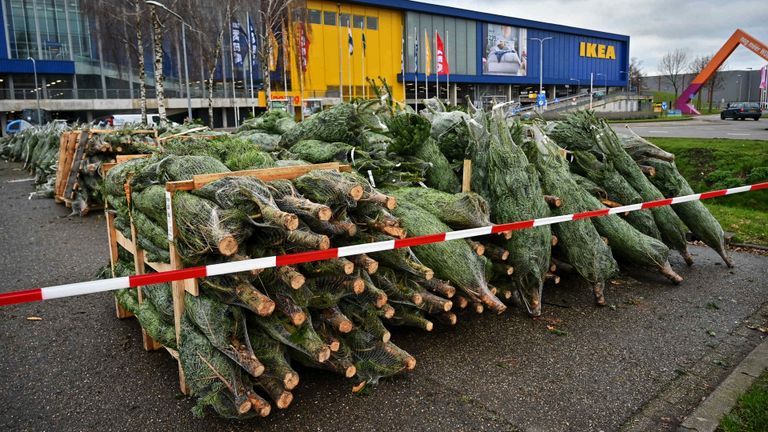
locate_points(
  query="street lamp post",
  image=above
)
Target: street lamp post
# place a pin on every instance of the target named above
(184, 48)
(37, 91)
(749, 83)
(606, 81)
(738, 78)
(591, 90)
(541, 60)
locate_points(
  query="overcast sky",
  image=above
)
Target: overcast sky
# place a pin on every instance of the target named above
(654, 26)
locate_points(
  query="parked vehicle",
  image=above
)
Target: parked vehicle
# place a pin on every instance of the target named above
(120, 120)
(16, 126)
(741, 111)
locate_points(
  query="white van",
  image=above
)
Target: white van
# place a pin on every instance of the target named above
(121, 120)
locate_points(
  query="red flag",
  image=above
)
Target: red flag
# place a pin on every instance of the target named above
(303, 46)
(442, 59)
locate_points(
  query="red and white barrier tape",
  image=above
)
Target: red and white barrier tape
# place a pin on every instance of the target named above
(74, 289)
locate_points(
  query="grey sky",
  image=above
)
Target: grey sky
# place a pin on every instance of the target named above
(654, 26)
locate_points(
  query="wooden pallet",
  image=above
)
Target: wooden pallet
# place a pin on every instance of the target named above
(71, 156)
(187, 286)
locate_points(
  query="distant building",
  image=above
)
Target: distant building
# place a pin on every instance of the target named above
(492, 58)
(736, 86)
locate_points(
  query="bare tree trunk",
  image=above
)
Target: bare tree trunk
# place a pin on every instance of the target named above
(142, 65)
(157, 48)
(210, 77)
(267, 78)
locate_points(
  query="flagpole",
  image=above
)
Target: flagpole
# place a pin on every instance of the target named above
(349, 35)
(365, 90)
(232, 69)
(416, 69)
(448, 75)
(437, 76)
(426, 65)
(285, 68)
(251, 51)
(301, 46)
(402, 63)
(245, 77)
(341, 56)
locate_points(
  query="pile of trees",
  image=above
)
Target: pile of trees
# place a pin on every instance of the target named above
(242, 337)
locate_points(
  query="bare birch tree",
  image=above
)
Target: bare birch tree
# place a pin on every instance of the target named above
(672, 67)
(122, 14)
(271, 14)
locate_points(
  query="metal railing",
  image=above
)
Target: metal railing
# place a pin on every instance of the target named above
(55, 93)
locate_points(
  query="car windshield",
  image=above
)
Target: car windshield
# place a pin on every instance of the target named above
(752, 105)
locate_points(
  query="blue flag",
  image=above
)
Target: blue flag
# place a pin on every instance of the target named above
(252, 36)
(237, 48)
(416, 54)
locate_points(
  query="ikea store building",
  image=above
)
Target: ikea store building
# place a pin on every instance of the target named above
(488, 58)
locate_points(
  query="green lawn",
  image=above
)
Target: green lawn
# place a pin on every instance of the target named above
(660, 118)
(710, 164)
(751, 411)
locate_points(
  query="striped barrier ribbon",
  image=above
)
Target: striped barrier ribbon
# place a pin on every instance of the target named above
(74, 289)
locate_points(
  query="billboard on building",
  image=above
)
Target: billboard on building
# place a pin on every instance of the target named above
(505, 50)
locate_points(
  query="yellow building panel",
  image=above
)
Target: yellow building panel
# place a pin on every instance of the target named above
(329, 42)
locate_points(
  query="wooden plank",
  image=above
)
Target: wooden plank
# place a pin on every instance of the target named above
(123, 131)
(124, 242)
(127, 157)
(105, 167)
(181, 185)
(267, 174)
(186, 132)
(63, 140)
(158, 267)
(74, 172)
(466, 178)
(65, 164)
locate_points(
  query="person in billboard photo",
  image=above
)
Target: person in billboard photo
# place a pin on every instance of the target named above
(503, 51)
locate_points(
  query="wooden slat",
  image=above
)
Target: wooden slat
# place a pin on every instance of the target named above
(123, 131)
(127, 157)
(74, 172)
(124, 242)
(267, 174)
(65, 164)
(466, 179)
(158, 267)
(105, 167)
(63, 140)
(193, 130)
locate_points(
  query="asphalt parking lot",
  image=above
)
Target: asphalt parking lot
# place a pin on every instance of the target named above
(708, 126)
(80, 368)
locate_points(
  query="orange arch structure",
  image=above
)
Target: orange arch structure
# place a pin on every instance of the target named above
(739, 37)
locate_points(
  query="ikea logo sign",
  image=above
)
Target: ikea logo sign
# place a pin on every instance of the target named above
(595, 50)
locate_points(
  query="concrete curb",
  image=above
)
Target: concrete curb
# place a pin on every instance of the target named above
(707, 416)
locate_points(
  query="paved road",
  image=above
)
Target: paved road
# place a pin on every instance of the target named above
(80, 368)
(709, 126)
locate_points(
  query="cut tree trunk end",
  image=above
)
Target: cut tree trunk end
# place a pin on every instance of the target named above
(599, 295)
(291, 277)
(670, 274)
(553, 201)
(228, 246)
(369, 264)
(477, 247)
